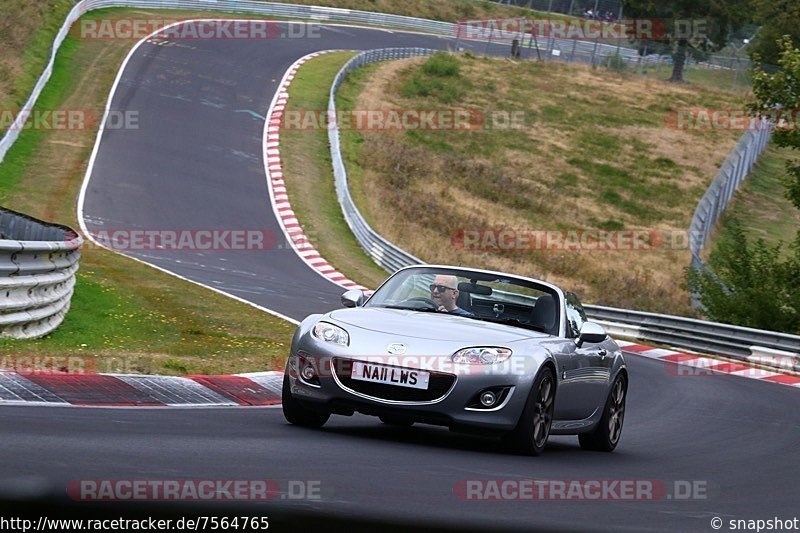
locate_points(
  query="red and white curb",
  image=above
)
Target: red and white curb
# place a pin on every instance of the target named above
(133, 390)
(277, 188)
(692, 364)
(264, 388)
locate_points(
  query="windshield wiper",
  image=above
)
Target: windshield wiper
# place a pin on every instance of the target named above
(408, 308)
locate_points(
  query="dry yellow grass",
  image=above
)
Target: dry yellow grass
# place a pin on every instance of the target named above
(595, 152)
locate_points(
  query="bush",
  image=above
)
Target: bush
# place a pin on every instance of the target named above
(442, 64)
(749, 284)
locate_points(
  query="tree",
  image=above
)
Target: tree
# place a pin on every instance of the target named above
(695, 27)
(778, 95)
(778, 18)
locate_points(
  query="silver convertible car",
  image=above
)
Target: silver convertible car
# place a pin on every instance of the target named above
(473, 350)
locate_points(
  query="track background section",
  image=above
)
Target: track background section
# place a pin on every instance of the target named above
(195, 162)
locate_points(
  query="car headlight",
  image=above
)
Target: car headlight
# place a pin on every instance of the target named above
(481, 355)
(329, 333)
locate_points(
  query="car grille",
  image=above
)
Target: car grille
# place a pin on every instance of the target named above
(438, 385)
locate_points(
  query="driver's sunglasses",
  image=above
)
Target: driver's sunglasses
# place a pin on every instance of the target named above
(440, 288)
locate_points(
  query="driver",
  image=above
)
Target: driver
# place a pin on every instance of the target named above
(444, 293)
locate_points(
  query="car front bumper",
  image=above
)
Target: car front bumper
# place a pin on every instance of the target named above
(453, 406)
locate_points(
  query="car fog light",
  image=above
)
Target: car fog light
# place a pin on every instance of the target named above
(307, 373)
(488, 398)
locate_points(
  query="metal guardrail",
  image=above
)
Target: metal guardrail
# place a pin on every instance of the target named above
(379, 249)
(694, 334)
(38, 262)
(734, 341)
(719, 194)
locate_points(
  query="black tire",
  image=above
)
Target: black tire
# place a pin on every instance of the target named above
(533, 429)
(605, 437)
(296, 413)
(397, 421)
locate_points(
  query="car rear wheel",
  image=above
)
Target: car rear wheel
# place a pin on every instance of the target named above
(397, 420)
(296, 413)
(531, 434)
(605, 437)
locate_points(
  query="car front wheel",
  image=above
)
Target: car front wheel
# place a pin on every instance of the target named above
(605, 437)
(531, 434)
(296, 413)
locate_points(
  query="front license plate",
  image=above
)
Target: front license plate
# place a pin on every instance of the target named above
(390, 375)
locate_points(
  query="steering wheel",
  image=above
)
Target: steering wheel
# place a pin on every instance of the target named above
(428, 301)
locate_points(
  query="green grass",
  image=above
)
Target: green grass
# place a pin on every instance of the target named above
(351, 140)
(33, 52)
(18, 158)
(309, 176)
(727, 80)
(760, 203)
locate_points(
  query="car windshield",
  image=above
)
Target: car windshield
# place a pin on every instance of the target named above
(474, 295)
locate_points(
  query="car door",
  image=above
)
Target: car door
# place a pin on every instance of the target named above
(592, 361)
(571, 398)
(574, 399)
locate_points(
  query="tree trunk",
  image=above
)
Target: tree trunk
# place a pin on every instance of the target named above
(678, 61)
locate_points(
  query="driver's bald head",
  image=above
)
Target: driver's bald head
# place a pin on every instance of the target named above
(447, 281)
(445, 298)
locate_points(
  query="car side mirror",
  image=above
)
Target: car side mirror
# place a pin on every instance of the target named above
(354, 298)
(591, 333)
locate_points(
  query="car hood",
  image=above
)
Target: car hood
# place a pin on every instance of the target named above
(431, 326)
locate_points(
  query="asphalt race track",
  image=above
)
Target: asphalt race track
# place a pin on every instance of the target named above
(195, 162)
(736, 436)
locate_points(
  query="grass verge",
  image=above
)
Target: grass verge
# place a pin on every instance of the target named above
(736, 80)
(592, 152)
(760, 203)
(27, 30)
(308, 174)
